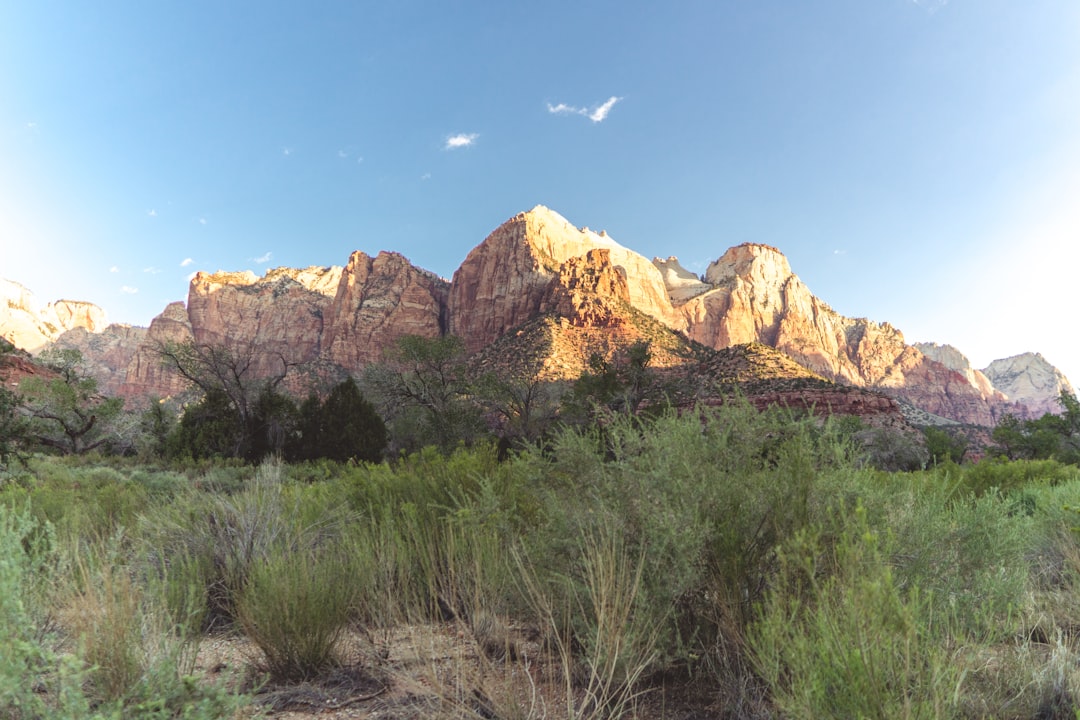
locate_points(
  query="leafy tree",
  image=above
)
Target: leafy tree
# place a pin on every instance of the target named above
(229, 374)
(521, 403)
(1050, 436)
(423, 387)
(208, 428)
(273, 423)
(65, 411)
(13, 430)
(624, 384)
(944, 447)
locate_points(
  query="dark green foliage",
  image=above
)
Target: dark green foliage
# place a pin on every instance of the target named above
(66, 413)
(1051, 436)
(210, 428)
(351, 429)
(343, 427)
(14, 434)
(273, 425)
(625, 384)
(424, 391)
(943, 446)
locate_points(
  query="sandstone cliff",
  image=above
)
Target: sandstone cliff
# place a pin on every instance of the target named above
(751, 295)
(503, 281)
(377, 301)
(107, 354)
(1031, 381)
(31, 328)
(541, 286)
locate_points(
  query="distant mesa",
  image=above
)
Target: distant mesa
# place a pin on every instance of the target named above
(542, 289)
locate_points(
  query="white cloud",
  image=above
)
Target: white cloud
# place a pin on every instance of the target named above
(128, 290)
(263, 259)
(191, 276)
(425, 176)
(152, 213)
(202, 221)
(600, 113)
(185, 262)
(360, 159)
(596, 113)
(114, 269)
(151, 270)
(286, 151)
(342, 154)
(460, 140)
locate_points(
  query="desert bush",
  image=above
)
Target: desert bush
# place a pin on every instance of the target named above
(295, 607)
(837, 636)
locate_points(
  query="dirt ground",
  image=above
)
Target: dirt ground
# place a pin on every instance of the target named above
(432, 671)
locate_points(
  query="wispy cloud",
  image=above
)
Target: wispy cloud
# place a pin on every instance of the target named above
(128, 290)
(286, 151)
(114, 269)
(185, 262)
(202, 221)
(151, 270)
(263, 259)
(425, 176)
(152, 212)
(31, 126)
(460, 140)
(596, 113)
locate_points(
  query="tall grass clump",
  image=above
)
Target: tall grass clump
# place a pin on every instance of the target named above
(295, 607)
(838, 638)
(604, 644)
(703, 500)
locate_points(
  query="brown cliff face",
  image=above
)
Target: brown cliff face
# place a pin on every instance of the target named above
(146, 376)
(503, 282)
(751, 295)
(278, 317)
(106, 353)
(377, 301)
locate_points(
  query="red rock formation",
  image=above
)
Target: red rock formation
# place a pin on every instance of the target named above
(106, 353)
(503, 281)
(279, 317)
(378, 300)
(146, 375)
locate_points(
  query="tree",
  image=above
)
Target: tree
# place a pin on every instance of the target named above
(1050, 436)
(65, 411)
(624, 384)
(228, 373)
(13, 430)
(347, 426)
(944, 447)
(208, 428)
(424, 389)
(523, 405)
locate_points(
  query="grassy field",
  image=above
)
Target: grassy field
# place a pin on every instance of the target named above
(726, 564)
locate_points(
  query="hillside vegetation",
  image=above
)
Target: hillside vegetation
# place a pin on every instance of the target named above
(719, 563)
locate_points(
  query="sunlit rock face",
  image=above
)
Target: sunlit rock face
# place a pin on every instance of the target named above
(750, 294)
(1030, 380)
(538, 286)
(29, 327)
(503, 281)
(106, 354)
(377, 301)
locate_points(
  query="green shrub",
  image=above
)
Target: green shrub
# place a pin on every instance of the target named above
(839, 638)
(295, 607)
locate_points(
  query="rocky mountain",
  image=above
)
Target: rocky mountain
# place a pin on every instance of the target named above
(539, 287)
(30, 327)
(1030, 380)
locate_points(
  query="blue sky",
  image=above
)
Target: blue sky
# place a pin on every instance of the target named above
(918, 162)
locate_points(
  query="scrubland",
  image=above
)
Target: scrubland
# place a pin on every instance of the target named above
(727, 563)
